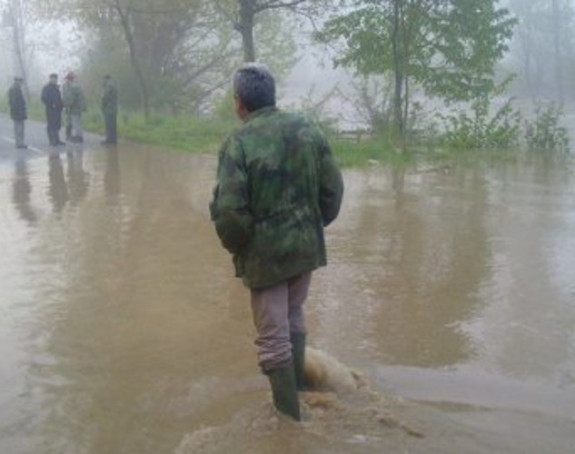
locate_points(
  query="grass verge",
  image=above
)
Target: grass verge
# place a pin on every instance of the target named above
(205, 135)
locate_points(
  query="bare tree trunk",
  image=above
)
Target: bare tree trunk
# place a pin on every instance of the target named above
(142, 85)
(246, 28)
(557, 50)
(405, 27)
(398, 69)
(19, 46)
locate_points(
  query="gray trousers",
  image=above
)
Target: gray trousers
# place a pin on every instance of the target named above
(76, 123)
(277, 312)
(19, 131)
(68, 124)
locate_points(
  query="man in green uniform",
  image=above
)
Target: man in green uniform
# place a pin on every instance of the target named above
(75, 105)
(278, 186)
(110, 110)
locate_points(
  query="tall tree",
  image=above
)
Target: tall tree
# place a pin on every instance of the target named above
(243, 15)
(155, 35)
(181, 52)
(447, 47)
(557, 38)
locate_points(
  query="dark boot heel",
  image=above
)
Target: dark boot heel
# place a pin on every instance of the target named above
(298, 341)
(284, 391)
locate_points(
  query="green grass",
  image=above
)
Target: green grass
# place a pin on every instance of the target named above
(205, 135)
(187, 133)
(355, 153)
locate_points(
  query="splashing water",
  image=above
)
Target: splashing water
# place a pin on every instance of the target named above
(341, 411)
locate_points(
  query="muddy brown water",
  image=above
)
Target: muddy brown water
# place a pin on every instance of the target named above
(122, 330)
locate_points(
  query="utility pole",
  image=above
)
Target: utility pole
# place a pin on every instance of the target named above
(557, 38)
(14, 18)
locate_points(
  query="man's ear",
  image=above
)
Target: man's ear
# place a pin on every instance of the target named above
(241, 111)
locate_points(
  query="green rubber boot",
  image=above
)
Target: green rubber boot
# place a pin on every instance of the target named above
(284, 391)
(298, 353)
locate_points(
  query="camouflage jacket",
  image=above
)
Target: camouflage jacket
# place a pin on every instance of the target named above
(73, 98)
(278, 186)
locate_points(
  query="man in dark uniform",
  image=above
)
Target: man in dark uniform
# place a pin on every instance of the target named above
(18, 111)
(52, 99)
(110, 111)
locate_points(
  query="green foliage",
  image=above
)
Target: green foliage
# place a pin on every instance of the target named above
(479, 130)
(545, 132)
(224, 106)
(448, 47)
(183, 132)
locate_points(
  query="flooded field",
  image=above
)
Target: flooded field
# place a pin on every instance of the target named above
(452, 292)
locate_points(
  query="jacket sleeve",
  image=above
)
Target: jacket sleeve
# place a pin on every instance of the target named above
(331, 185)
(230, 205)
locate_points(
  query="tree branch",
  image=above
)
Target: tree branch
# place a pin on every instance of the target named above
(275, 4)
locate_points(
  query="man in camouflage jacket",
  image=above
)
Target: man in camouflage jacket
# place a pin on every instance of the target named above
(278, 186)
(74, 105)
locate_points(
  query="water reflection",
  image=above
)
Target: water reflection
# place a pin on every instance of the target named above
(112, 176)
(78, 179)
(411, 254)
(134, 331)
(126, 322)
(22, 190)
(58, 188)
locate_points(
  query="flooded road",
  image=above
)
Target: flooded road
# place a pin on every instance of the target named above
(123, 331)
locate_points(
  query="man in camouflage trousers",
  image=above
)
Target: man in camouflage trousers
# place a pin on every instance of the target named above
(74, 105)
(278, 186)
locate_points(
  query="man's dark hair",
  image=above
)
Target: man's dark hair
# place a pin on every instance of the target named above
(53, 76)
(255, 86)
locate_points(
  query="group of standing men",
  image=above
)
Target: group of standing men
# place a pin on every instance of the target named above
(69, 100)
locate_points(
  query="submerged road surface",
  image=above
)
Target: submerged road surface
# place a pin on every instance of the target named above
(122, 329)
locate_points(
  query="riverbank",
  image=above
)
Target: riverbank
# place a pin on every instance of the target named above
(205, 134)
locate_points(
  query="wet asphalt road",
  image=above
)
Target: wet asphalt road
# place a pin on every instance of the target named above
(37, 141)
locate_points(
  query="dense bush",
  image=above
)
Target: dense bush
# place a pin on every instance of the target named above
(545, 133)
(478, 129)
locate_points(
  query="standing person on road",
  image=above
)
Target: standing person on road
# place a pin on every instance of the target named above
(18, 111)
(52, 99)
(278, 187)
(110, 111)
(75, 105)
